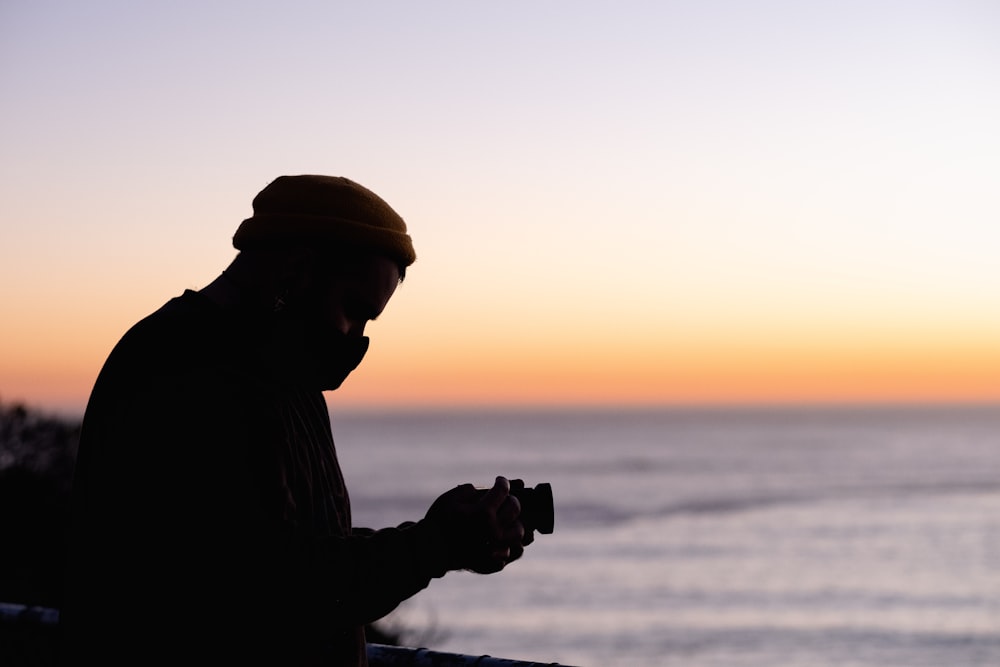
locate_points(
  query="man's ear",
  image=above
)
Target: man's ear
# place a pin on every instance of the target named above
(297, 273)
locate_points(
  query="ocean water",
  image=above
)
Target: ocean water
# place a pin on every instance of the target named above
(709, 537)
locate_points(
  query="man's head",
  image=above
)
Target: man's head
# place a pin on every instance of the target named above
(325, 254)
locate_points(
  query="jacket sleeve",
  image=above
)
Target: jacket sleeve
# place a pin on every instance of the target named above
(364, 577)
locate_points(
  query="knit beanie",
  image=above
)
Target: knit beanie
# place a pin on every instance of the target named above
(327, 210)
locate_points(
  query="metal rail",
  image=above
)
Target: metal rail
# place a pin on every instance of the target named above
(399, 656)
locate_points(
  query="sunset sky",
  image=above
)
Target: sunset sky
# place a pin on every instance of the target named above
(612, 202)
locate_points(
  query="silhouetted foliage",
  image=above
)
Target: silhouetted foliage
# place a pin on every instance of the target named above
(36, 466)
(42, 444)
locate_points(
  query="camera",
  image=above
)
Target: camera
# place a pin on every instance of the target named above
(537, 510)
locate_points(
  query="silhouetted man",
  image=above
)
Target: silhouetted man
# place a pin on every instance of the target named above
(211, 521)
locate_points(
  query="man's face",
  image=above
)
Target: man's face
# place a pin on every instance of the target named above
(347, 301)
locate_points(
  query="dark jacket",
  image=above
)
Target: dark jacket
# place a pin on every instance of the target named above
(211, 522)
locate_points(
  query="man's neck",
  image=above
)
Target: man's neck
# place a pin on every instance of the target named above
(229, 292)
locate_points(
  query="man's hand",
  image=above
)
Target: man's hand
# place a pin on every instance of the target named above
(481, 531)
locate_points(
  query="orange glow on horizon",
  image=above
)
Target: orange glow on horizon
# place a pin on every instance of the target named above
(675, 376)
(687, 376)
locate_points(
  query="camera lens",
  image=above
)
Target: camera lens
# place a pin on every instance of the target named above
(537, 510)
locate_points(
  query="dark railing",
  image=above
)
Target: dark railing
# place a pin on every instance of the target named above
(379, 655)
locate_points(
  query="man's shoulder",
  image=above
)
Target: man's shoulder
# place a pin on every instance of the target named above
(178, 329)
(180, 312)
(191, 311)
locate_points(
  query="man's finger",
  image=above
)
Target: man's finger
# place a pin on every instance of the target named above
(493, 499)
(509, 511)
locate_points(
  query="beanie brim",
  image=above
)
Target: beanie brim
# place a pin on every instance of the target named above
(268, 230)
